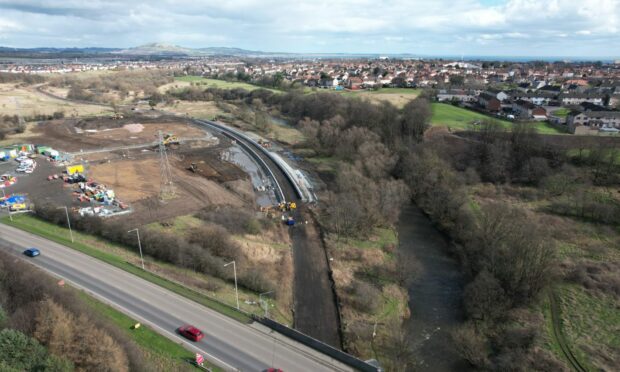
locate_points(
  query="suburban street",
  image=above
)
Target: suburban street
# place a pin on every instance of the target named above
(228, 343)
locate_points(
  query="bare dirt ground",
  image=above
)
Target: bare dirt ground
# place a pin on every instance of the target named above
(134, 174)
(316, 313)
(62, 134)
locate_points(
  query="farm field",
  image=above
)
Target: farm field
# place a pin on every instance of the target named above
(221, 84)
(397, 96)
(27, 101)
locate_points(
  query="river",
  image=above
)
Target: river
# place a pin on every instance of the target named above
(435, 295)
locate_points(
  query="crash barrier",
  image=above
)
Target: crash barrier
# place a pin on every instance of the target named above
(288, 332)
(317, 345)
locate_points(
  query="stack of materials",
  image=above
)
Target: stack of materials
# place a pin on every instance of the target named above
(7, 180)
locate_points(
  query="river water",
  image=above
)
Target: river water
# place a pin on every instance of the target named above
(435, 296)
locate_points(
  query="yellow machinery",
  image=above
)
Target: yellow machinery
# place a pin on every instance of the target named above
(17, 207)
(72, 169)
(170, 139)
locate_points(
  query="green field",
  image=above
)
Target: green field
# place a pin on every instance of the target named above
(561, 112)
(453, 117)
(221, 84)
(61, 235)
(575, 153)
(547, 128)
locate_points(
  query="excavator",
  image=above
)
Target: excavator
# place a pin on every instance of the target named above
(170, 139)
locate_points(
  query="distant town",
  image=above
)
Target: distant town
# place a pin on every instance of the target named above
(582, 97)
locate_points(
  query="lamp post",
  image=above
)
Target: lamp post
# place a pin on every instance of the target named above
(139, 245)
(265, 305)
(68, 222)
(235, 273)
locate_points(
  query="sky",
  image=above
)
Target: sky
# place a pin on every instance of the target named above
(577, 28)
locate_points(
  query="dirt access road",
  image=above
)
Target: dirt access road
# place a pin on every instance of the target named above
(316, 312)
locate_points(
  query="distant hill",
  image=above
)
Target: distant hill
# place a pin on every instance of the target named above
(160, 49)
(231, 51)
(157, 49)
(151, 50)
(90, 50)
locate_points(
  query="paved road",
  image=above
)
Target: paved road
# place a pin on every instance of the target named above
(232, 344)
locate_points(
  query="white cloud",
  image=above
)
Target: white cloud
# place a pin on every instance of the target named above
(515, 27)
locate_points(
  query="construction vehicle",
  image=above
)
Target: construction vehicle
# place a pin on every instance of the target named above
(170, 139)
(284, 207)
(193, 167)
(17, 207)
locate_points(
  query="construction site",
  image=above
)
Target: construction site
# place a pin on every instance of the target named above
(152, 167)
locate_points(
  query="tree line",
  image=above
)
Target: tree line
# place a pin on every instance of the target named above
(204, 249)
(45, 327)
(111, 88)
(381, 159)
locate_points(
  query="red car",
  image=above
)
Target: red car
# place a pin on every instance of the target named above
(191, 333)
(273, 370)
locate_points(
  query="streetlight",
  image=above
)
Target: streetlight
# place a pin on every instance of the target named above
(8, 209)
(139, 245)
(265, 304)
(68, 222)
(235, 273)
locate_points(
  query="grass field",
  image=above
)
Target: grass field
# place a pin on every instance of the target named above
(27, 101)
(397, 96)
(61, 235)
(165, 354)
(575, 153)
(590, 319)
(456, 117)
(221, 84)
(453, 117)
(200, 110)
(561, 112)
(547, 128)
(284, 133)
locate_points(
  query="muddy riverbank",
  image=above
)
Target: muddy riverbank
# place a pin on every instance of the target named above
(435, 295)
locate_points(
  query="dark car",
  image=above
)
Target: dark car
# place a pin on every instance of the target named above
(273, 370)
(191, 333)
(32, 252)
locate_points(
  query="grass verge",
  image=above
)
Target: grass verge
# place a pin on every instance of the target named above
(49, 231)
(165, 353)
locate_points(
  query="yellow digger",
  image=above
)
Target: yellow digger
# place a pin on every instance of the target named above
(170, 139)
